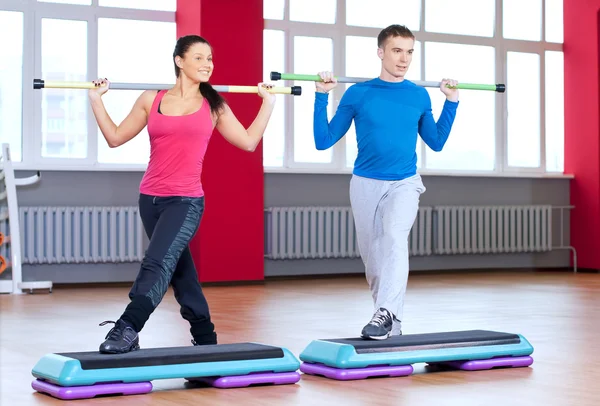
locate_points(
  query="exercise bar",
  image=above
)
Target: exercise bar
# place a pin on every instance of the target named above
(47, 84)
(500, 88)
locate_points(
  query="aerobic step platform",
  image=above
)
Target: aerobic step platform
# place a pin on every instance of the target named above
(87, 374)
(357, 358)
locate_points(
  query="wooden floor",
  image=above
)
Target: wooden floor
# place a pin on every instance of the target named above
(558, 312)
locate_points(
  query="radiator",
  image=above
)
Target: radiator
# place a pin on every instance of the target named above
(328, 232)
(63, 235)
(492, 229)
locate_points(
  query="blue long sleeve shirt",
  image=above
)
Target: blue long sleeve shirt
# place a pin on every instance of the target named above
(388, 117)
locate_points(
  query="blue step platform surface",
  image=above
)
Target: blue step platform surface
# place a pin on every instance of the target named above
(89, 368)
(416, 348)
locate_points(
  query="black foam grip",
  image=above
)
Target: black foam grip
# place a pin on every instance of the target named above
(296, 90)
(275, 75)
(500, 88)
(38, 83)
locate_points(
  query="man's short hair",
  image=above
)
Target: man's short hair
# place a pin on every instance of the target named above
(394, 30)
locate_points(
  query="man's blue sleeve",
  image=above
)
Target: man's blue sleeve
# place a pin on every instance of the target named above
(435, 134)
(328, 133)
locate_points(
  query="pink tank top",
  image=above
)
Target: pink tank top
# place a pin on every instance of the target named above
(177, 148)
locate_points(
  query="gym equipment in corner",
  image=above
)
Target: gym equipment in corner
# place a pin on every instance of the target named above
(78, 375)
(357, 358)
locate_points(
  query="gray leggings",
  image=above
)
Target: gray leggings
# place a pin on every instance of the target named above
(384, 213)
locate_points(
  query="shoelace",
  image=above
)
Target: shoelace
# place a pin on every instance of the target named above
(379, 318)
(113, 331)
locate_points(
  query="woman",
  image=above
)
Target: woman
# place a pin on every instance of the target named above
(180, 122)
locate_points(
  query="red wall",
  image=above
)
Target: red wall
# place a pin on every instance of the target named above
(582, 126)
(230, 243)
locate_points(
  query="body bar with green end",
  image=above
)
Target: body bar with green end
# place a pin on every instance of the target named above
(48, 84)
(500, 88)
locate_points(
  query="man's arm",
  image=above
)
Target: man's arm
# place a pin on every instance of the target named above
(327, 133)
(435, 134)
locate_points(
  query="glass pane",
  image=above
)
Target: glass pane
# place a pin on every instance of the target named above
(148, 41)
(64, 111)
(274, 60)
(273, 9)
(370, 13)
(82, 2)
(311, 55)
(313, 11)
(554, 21)
(362, 61)
(11, 82)
(457, 17)
(160, 5)
(522, 19)
(555, 113)
(471, 145)
(523, 105)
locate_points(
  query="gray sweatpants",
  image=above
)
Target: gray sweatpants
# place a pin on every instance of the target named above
(384, 213)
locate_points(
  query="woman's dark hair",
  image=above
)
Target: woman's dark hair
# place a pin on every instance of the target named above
(215, 100)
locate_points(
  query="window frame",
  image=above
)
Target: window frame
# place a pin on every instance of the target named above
(33, 13)
(339, 31)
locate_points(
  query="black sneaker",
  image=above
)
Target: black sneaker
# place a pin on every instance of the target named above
(380, 326)
(207, 339)
(120, 339)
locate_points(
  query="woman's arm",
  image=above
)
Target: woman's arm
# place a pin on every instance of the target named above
(135, 122)
(235, 133)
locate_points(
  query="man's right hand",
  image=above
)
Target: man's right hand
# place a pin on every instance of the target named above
(328, 82)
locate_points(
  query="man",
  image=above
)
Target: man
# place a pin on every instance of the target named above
(389, 111)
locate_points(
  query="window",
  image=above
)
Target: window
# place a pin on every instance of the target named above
(64, 111)
(11, 81)
(361, 13)
(78, 41)
(522, 19)
(456, 17)
(162, 5)
(321, 51)
(471, 144)
(511, 42)
(554, 106)
(144, 38)
(274, 136)
(82, 2)
(523, 100)
(273, 9)
(554, 21)
(313, 11)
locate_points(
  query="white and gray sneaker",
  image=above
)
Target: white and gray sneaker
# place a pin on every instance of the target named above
(380, 326)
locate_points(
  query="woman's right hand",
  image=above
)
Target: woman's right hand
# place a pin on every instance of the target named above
(102, 86)
(328, 82)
